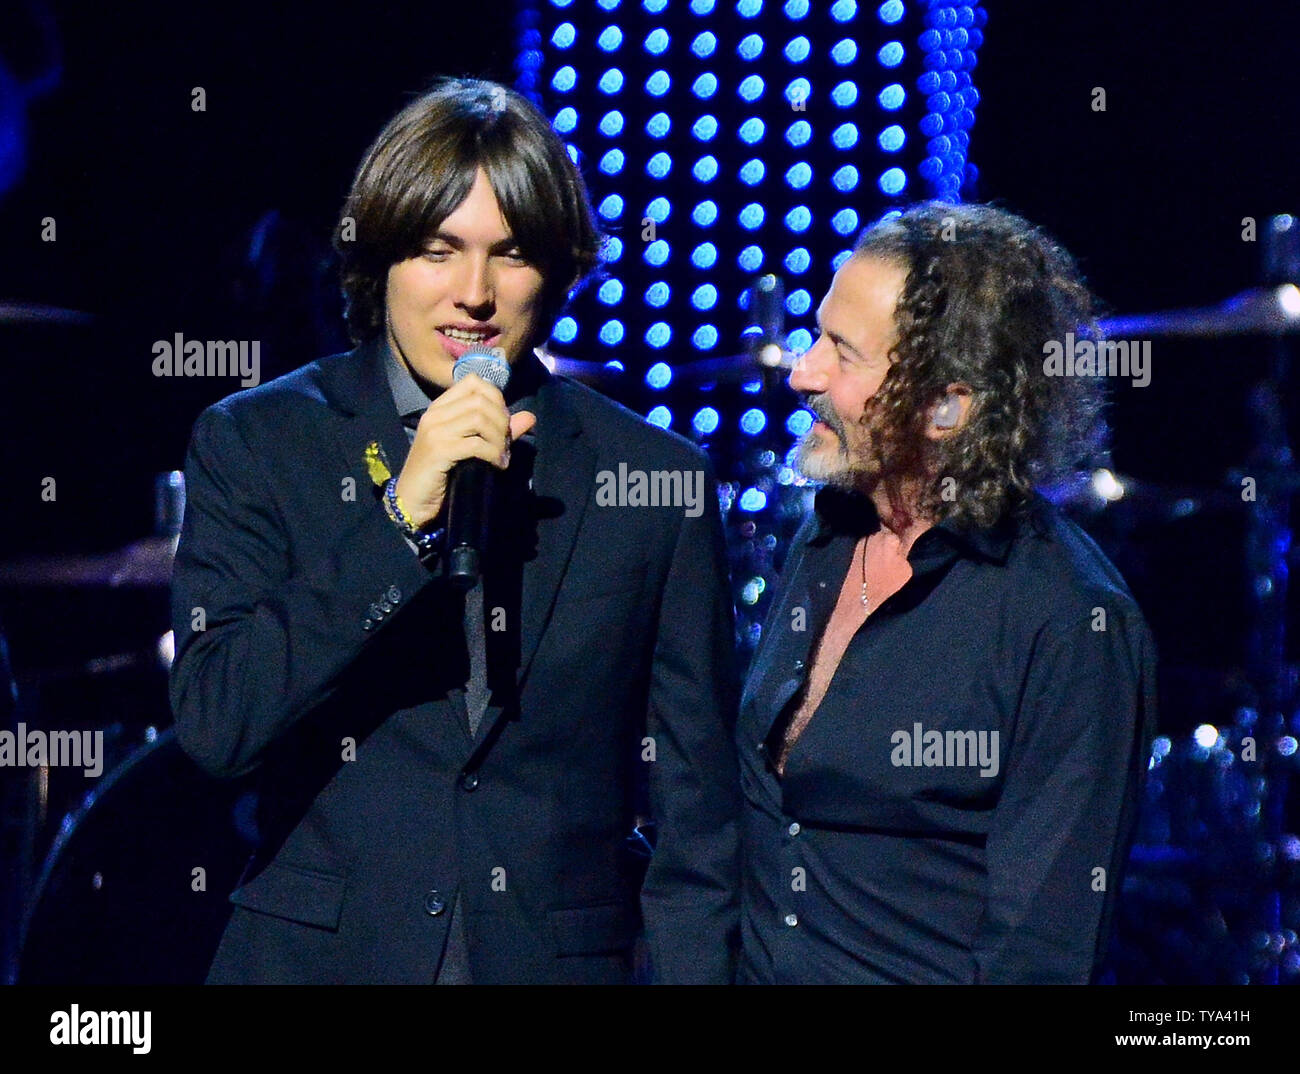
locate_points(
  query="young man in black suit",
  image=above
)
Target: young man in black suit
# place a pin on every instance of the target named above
(449, 780)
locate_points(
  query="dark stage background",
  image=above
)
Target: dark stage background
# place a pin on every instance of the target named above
(216, 224)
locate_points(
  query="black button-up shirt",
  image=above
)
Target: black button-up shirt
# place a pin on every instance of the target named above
(960, 805)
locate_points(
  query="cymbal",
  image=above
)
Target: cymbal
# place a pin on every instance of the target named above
(142, 563)
(1257, 311)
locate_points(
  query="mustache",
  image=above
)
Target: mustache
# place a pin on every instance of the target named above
(825, 413)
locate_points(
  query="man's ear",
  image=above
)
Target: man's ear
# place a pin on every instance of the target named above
(948, 415)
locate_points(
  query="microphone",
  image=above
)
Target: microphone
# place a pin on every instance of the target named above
(470, 484)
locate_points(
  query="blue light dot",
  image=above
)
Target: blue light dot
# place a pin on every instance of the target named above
(705, 337)
(799, 132)
(750, 47)
(659, 375)
(659, 165)
(798, 341)
(654, 7)
(798, 175)
(611, 333)
(929, 83)
(753, 387)
(845, 221)
(931, 125)
(658, 209)
(705, 420)
(796, 9)
(843, 256)
(751, 130)
(797, 50)
(702, 7)
(747, 9)
(561, 3)
(656, 253)
(658, 125)
(612, 249)
(844, 52)
(890, 54)
(572, 150)
(751, 216)
(798, 302)
(656, 42)
(798, 219)
(611, 292)
(752, 500)
(705, 297)
(564, 36)
(930, 40)
(892, 97)
(566, 330)
(658, 335)
(705, 213)
(611, 123)
(891, 139)
(564, 79)
(661, 416)
(611, 37)
(705, 86)
(565, 120)
(612, 162)
(750, 258)
(798, 91)
(845, 178)
(753, 421)
(605, 5)
(930, 169)
(752, 172)
(893, 181)
(704, 256)
(611, 81)
(658, 84)
(845, 94)
(799, 422)
(704, 44)
(611, 207)
(750, 88)
(658, 294)
(890, 11)
(706, 168)
(843, 10)
(845, 136)
(798, 260)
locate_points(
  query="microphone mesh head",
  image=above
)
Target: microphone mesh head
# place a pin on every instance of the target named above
(490, 365)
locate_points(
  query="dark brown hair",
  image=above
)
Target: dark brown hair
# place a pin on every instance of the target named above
(985, 290)
(422, 166)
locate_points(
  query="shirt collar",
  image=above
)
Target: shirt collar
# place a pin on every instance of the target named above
(839, 512)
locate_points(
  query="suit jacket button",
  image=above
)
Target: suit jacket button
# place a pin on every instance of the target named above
(434, 904)
(376, 612)
(394, 595)
(469, 780)
(366, 624)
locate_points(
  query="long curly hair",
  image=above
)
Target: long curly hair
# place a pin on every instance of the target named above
(985, 291)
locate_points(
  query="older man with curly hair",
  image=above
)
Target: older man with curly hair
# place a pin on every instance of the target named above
(943, 731)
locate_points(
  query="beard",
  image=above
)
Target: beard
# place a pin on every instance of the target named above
(834, 458)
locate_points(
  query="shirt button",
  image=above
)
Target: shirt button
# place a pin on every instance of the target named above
(434, 903)
(376, 612)
(394, 595)
(794, 828)
(792, 920)
(386, 606)
(366, 624)
(798, 665)
(469, 780)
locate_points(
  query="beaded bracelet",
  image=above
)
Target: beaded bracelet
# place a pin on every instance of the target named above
(427, 543)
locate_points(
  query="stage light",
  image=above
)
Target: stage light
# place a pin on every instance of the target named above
(705, 420)
(751, 216)
(705, 297)
(931, 125)
(798, 341)
(798, 133)
(658, 165)
(750, 88)
(658, 335)
(747, 9)
(704, 256)
(658, 209)
(752, 172)
(845, 94)
(702, 7)
(753, 421)
(564, 79)
(612, 162)
(893, 181)
(798, 302)
(845, 178)
(798, 175)
(705, 337)
(611, 292)
(845, 221)
(798, 219)
(654, 7)
(705, 128)
(890, 54)
(610, 39)
(844, 255)
(612, 249)
(753, 500)
(705, 86)
(750, 258)
(704, 44)
(658, 84)
(611, 81)
(656, 253)
(844, 52)
(565, 120)
(796, 9)
(797, 50)
(611, 123)
(610, 207)
(564, 36)
(656, 42)
(843, 10)
(845, 136)
(611, 333)
(566, 330)
(750, 47)
(706, 168)
(751, 130)
(705, 213)
(798, 92)
(890, 12)
(798, 260)
(892, 97)
(799, 422)
(658, 294)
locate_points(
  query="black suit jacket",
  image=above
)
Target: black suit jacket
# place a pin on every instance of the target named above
(305, 622)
